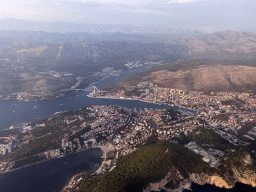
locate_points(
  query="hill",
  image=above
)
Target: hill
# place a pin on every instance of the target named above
(167, 166)
(33, 59)
(147, 165)
(197, 75)
(222, 45)
(41, 69)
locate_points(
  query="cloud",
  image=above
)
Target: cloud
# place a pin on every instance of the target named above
(181, 1)
(139, 1)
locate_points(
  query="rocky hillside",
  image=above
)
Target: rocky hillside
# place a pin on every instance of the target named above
(198, 75)
(222, 45)
(88, 56)
(210, 78)
(165, 166)
(41, 64)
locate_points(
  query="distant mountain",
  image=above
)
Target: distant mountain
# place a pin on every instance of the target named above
(90, 55)
(222, 45)
(87, 54)
(48, 68)
(12, 37)
(65, 27)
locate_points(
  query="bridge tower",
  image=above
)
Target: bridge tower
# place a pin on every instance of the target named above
(95, 89)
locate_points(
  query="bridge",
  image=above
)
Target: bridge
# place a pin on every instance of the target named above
(93, 89)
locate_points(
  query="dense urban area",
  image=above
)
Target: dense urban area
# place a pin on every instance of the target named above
(215, 125)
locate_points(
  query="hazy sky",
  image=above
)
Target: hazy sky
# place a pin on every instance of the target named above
(222, 14)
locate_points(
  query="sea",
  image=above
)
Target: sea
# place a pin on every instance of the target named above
(53, 175)
(17, 113)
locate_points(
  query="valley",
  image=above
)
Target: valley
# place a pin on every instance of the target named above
(202, 88)
(34, 69)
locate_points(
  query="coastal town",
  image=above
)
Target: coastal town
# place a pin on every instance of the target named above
(227, 113)
(228, 117)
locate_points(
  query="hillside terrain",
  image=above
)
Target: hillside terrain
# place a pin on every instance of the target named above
(56, 66)
(197, 75)
(167, 167)
(222, 45)
(59, 61)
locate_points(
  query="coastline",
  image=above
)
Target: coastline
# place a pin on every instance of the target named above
(58, 157)
(125, 98)
(145, 101)
(70, 89)
(38, 97)
(105, 149)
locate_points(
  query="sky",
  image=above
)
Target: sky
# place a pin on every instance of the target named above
(207, 14)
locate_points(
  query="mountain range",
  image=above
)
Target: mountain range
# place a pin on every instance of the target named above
(38, 55)
(66, 27)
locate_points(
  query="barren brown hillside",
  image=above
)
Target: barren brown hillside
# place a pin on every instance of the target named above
(216, 78)
(230, 41)
(203, 78)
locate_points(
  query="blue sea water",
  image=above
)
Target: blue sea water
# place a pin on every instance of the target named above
(53, 175)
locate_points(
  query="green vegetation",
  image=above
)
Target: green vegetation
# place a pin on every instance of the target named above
(56, 124)
(81, 132)
(236, 102)
(29, 160)
(204, 135)
(207, 136)
(221, 117)
(153, 123)
(234, 160)
(248, 126)
(153, 139)
(8, 132)
(39, 145)
(170, 115)
(147, 165)
(135, 92)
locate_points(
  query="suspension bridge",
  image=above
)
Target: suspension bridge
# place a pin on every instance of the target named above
(93, 89)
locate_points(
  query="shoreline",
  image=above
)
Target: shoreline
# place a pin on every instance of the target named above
(70, 89)
(98, 171)
(58, 157)
(145, 101)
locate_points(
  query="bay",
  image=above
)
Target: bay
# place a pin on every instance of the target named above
(17, 112)
(51, 175)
